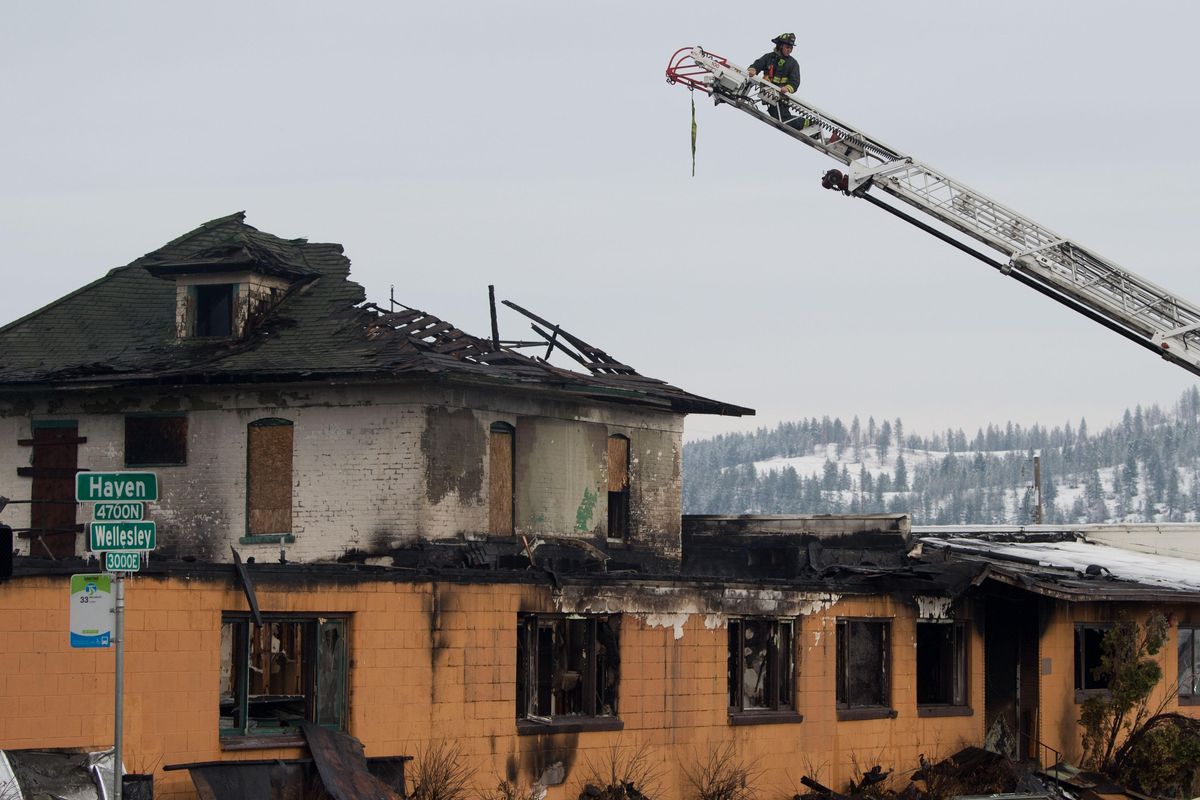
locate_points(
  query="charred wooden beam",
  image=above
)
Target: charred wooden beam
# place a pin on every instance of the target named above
(598, 359)
(559, 345)
(822, 789)
(495, 325)
(51, 442)
(247, 585)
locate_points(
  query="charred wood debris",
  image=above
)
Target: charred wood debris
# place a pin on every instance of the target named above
(972, 773)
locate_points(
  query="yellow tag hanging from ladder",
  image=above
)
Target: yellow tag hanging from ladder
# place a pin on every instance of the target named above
(693, 94)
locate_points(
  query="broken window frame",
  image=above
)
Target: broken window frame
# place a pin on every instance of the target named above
(205, 296)
(780, 670)
(1188, 646)
(172, 432)
(956, 661)
(848, 628)
(1086, 682)
(544, 641)
(618, 499)
(330, 672)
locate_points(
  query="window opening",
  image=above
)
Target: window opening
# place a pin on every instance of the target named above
(156, 440)
(1089, 641)
(762, 665)
(567, 666)
(276, 675)
(618, 487)
(1189, 664)
(269, 477)
(214, 310)
(941, 664)
(863, 678)
(500, 481)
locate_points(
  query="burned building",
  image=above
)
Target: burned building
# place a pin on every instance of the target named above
(445, 537)
(284, 412)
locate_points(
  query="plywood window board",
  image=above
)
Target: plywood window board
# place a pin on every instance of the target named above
(269, 477)
(500, 482)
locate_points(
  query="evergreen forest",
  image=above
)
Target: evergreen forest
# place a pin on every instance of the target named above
(1145, 468)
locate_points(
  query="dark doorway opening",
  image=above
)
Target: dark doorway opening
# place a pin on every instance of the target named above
(1010, 686)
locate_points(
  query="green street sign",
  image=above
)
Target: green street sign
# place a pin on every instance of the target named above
(114, 487)
(122, 562)
(123, 536)
(117, 511)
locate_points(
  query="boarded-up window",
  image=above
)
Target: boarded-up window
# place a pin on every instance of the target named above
(156, 440)
(52, 468)
(618, 487)
(269, 477)
(500, 481)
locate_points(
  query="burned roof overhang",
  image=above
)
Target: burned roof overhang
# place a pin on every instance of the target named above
(99, 379)
(1081, 591)
(1061, 583)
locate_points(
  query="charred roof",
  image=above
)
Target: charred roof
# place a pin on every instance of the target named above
(1062, 563)
(120, 329)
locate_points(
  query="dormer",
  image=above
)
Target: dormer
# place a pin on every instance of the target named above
(223, 291)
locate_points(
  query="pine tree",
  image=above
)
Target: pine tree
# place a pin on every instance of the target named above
(901, 480)
(829, 479)
(1129, 476)
(1025, 509)
(1049, 493)
(1172, 498)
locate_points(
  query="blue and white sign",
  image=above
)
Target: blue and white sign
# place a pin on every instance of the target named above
(92, 609)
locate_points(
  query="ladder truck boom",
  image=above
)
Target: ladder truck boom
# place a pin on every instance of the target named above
(1036, 256)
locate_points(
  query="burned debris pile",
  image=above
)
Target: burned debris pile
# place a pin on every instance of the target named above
(971, 772)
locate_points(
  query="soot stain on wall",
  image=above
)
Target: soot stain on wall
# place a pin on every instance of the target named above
(454, 446)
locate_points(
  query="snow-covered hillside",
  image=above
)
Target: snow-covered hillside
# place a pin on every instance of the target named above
(1144, 469)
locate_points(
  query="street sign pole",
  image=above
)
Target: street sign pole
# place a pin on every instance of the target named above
(122, 533)
(119, 694)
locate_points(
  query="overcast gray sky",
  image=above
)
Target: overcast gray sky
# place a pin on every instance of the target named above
(536, 146)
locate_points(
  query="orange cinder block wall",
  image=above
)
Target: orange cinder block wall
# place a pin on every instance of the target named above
(438, 660)
(1058, 723)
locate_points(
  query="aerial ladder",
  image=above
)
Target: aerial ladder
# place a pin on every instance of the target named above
(1037, 257)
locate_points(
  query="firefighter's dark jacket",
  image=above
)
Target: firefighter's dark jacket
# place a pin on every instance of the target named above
(779, 69)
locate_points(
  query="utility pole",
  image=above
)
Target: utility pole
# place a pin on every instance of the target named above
(1037, 486)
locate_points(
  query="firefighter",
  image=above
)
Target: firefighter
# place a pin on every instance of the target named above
(780, 69)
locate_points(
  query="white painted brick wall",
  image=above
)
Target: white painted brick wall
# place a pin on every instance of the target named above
(359, 469)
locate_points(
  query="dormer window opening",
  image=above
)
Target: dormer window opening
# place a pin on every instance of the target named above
(214, 310)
